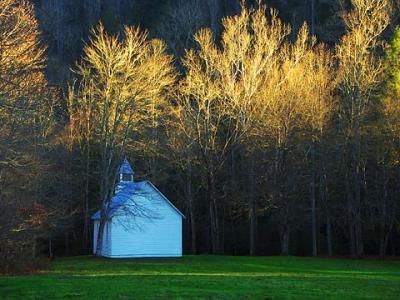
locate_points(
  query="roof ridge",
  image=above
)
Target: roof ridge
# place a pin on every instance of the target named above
(122, 196)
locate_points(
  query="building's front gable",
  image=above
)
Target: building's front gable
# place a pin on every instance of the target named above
(142, 222)
(150, 227)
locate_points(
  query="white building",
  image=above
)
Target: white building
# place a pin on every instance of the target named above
(142, 222)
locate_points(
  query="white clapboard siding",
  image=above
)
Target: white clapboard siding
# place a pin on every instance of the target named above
(159, 235)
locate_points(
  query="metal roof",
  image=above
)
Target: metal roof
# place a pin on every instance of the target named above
(125, 191)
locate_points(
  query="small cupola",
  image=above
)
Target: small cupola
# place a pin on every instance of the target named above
(126, 172)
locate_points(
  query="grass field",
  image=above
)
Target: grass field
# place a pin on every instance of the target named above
(208, 277)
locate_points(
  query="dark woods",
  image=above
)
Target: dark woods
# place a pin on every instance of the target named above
(270, 140)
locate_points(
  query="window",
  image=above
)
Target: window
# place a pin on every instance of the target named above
(127, 177)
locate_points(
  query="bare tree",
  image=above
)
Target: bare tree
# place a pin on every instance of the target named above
(319, 84)
(124, 83)
(386, 132)
(26, 104)
(295, 97)
(360, 73)
(220, 94)
(184, 158)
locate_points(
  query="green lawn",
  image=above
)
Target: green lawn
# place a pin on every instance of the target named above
(209, 277)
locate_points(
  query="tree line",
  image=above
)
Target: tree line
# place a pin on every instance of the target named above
(268, 140)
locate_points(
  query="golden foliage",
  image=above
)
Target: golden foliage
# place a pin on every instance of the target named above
(124, 83)
(255, 83)
(361, 70)
(24, 94)
(21, 56)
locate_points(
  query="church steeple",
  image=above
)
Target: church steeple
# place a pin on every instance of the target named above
(126, 172)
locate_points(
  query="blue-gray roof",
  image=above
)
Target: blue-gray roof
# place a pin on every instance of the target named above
(125, 168)
(126, 189)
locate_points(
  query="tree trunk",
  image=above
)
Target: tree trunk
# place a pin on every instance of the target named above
(100, 235)
(284, 240)
(359, 239)
(385, 228)
(233, 191)
(221, 223)
(281, 198)
(313, 203)
(329, 234)
(34, 248)
(328, 223)
(252, 208)
(106, 189)
(353, 251)
(66, 244)
(349, 196)
(323, 194)
(86, 203)
(215, 239)
(50, 248)
(383, 245)
(189, 198)
(352, 234)
(214, 230)
(233, 230)
(357, 198)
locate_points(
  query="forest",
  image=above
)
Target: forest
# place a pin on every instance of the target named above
(272, 125)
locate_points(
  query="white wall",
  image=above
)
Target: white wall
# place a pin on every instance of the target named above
(160, 236)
